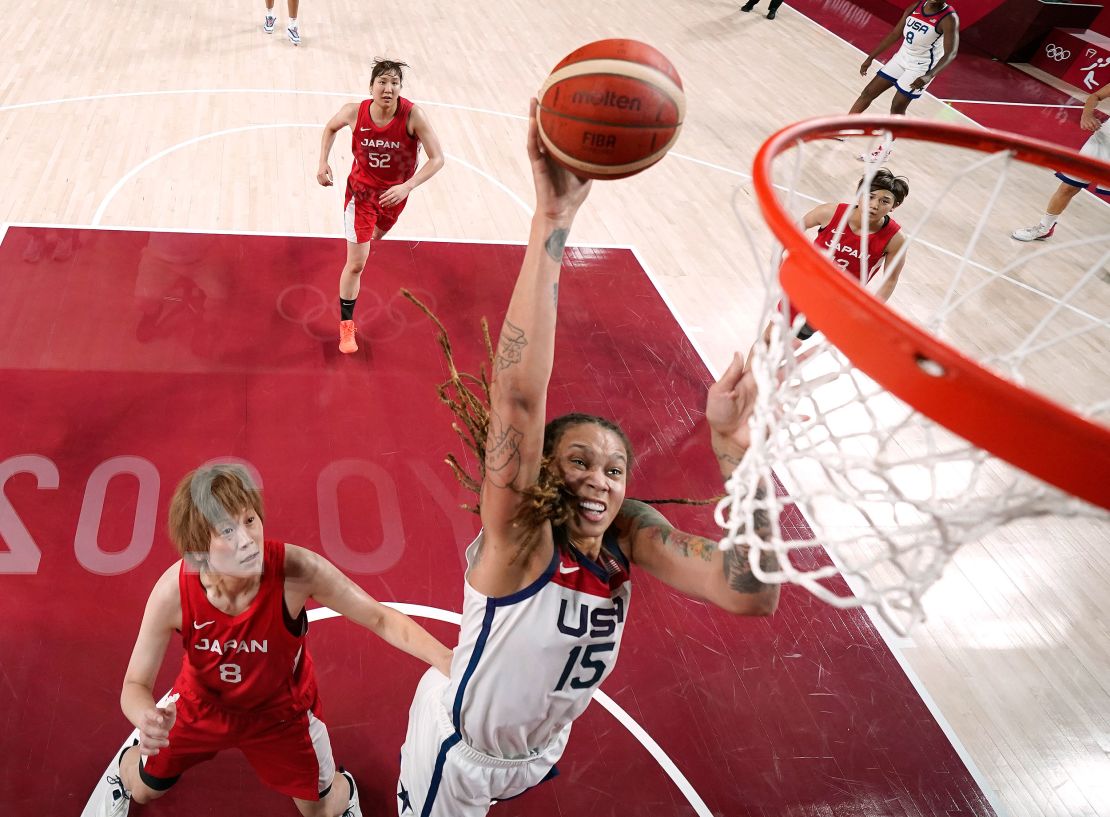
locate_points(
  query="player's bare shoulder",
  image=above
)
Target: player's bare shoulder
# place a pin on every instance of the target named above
(164, 604)
(347, 115)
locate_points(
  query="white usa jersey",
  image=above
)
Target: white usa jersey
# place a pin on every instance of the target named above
(922, 42)
(527, 664)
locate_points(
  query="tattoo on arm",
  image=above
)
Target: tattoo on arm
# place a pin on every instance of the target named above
(725, 458)
(555, 293)
(555, 244)
(689, 545)
(502, 452)
(738, 571)
(644, 517)
(512, 346)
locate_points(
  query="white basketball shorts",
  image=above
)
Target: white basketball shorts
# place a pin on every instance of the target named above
(902, 70)
(443, 777)
(1096, 147)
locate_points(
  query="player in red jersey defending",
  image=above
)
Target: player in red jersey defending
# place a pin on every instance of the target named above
(247, 679)
(885, 241)
(387, 132)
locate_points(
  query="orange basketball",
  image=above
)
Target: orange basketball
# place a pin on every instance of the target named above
(611, 109)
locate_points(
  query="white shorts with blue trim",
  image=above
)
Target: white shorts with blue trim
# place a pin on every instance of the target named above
(901, 71)
(441, 776)
(1097, 147)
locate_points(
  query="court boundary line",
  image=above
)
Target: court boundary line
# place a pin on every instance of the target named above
(264, 234)
(507, 242)
(612, 707)
(135, 170)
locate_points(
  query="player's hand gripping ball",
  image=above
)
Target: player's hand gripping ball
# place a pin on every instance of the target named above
(611, 109)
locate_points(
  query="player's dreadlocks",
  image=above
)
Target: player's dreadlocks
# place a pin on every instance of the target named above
(467, 396)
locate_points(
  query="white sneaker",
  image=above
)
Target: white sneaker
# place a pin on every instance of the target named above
(353, 809)
(1038, 232)
(117, 799)
(879, 155)
(269, 23)
(294, 35)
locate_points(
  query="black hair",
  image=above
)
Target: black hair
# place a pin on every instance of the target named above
(883, 179)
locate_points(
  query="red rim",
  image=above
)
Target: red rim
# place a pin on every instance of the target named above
(1025, 429)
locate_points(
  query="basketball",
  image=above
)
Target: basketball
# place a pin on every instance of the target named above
(611, 109)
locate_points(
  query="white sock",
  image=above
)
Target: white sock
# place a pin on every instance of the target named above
(292, 22)
(1049, 219)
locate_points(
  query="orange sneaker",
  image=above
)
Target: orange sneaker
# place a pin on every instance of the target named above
(347, 337)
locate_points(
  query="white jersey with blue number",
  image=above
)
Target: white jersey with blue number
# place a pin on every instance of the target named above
(922, 40)
(527, 664)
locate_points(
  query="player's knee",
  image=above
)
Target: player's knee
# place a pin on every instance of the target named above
(355, 267)
(142, 794)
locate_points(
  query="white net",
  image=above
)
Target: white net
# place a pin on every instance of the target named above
(867, 498)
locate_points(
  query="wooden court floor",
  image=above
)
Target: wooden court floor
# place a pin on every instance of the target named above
(188, 117)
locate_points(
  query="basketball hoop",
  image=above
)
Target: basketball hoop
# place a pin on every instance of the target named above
(901, 437)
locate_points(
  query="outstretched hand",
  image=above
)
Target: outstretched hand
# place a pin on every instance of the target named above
(559, 193)
(731, 401)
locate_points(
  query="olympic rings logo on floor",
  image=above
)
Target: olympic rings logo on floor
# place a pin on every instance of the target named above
(1057, 53)
(379, 320)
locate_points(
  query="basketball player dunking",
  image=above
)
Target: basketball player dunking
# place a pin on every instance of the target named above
(548, 584)
(237, 602)
(930, 32)
(387, 131)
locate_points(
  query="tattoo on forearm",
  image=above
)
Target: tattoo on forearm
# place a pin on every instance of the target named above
(727, 459)
(555, 293)
(502, 452)
(512, 346)
(738, 570)
(555, 244)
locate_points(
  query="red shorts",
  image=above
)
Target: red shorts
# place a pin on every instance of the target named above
(290, 755)
(362, 212)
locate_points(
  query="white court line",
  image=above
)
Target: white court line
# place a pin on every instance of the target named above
(228, 131)
(348, 95)
(654, 749)
(1078, 105)
(505, 241)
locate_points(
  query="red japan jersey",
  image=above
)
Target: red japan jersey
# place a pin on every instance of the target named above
(386, 155)
(253, 661)
(847, 251)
